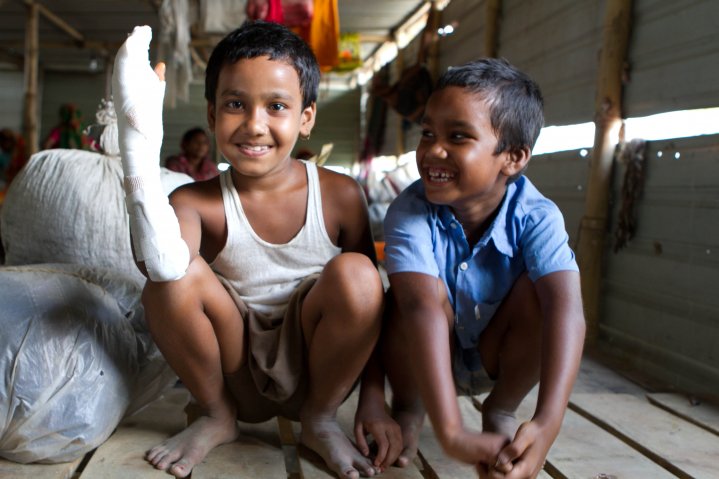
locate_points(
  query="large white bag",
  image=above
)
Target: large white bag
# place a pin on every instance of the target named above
(75, 356)
(68, 206)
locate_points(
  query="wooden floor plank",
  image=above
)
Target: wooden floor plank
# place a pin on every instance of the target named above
(699, 413)
(679, 446)
(595, 377)
(122, 455)
(14, 470)
(256, 454)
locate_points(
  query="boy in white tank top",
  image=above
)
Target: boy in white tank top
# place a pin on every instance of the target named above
(255, 273)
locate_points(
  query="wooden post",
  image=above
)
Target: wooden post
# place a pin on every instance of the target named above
(491, 28)
(30, 113)
(593, 227)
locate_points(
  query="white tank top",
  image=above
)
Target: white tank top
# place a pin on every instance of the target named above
(266, 274)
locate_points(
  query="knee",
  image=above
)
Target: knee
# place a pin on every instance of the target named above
(356, 282)
(159, 299)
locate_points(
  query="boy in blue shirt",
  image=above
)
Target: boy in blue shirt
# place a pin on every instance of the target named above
(481, 276)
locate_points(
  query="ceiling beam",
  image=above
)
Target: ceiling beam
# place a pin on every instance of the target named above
(57, 21)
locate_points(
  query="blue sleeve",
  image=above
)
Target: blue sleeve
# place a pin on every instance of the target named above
(545, 243)
(409, 237)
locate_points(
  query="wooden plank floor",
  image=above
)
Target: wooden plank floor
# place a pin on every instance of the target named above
(613, 429)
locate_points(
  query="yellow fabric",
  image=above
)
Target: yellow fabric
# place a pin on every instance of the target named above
(324, 33)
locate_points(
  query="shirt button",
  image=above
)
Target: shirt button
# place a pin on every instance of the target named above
(463, 266)
(453, 225)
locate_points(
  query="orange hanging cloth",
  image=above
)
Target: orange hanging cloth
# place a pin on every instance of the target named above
(325, 33)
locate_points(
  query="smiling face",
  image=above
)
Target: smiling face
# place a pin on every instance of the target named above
(455, 156)
(258, 115)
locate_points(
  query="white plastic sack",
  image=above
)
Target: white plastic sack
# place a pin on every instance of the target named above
(75, 356)
(67, 206)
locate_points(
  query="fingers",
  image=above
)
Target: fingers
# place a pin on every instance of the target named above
(160, 71)
(515, 449)
(394, 448)
(361, 439)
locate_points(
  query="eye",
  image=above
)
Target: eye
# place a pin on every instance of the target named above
(278, 106)
(234, 104)
(427, 134)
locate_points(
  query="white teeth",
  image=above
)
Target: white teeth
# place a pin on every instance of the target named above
(254, 148)
(436, 174)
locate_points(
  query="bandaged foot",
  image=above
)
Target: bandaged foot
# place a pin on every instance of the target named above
(138, 95)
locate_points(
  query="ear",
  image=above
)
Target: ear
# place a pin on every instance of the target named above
(516, 160)
(211, 116)
(307, 121)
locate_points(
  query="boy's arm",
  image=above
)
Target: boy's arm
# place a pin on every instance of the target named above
(563, 331)
(138, 93)
(425, 326)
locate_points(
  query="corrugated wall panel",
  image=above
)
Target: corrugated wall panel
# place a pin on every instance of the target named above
(557, 43)
(338, 122)
(12, 94)
(661, 309)
(561, 177)
(467, 41)
(673, 56)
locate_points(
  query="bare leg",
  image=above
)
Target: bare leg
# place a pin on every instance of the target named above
(200, 332)
(341, 320)
(510, 348)
(407, 408)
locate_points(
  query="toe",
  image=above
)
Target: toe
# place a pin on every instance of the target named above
(181, 469)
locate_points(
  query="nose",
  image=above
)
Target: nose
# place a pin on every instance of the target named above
(256, 122)
(436, 150)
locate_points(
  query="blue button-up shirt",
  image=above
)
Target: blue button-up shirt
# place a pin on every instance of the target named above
(528, 234)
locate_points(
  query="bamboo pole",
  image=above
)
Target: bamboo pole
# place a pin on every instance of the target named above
(31, 79)
(57, 21)
(491, 29)
(593, 228)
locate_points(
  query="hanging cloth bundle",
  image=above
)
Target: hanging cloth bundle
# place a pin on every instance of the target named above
(410, 93)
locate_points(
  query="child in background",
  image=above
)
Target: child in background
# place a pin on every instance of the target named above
(481, 277)
(263, 293)
(194, 160)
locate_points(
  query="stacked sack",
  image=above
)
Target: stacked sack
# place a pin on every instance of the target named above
(75, 354)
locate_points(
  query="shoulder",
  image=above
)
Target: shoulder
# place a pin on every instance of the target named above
(411, 200)
(527, 205)
(198, 194)
(339, 188)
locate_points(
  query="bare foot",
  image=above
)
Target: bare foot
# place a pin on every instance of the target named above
(410, 422)
(325, 437)
(180, 453)
(499, 421)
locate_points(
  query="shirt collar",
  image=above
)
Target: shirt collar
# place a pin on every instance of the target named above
(497, 231)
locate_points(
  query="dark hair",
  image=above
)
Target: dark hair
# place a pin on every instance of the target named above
(191, 133)
(259, 39)
(514, 99)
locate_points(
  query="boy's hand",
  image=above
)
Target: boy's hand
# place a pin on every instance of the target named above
(524, 456)
(138, 93)
(474, 448)
(374, 420)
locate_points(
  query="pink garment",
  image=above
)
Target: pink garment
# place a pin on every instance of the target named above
(206, 170)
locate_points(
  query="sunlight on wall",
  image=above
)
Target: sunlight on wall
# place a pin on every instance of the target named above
(662, 126)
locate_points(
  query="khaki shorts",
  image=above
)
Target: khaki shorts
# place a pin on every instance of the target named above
(273, 381)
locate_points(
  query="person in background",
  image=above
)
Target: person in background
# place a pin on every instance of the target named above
(69, 132)
(194, 160)
(12, 155)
